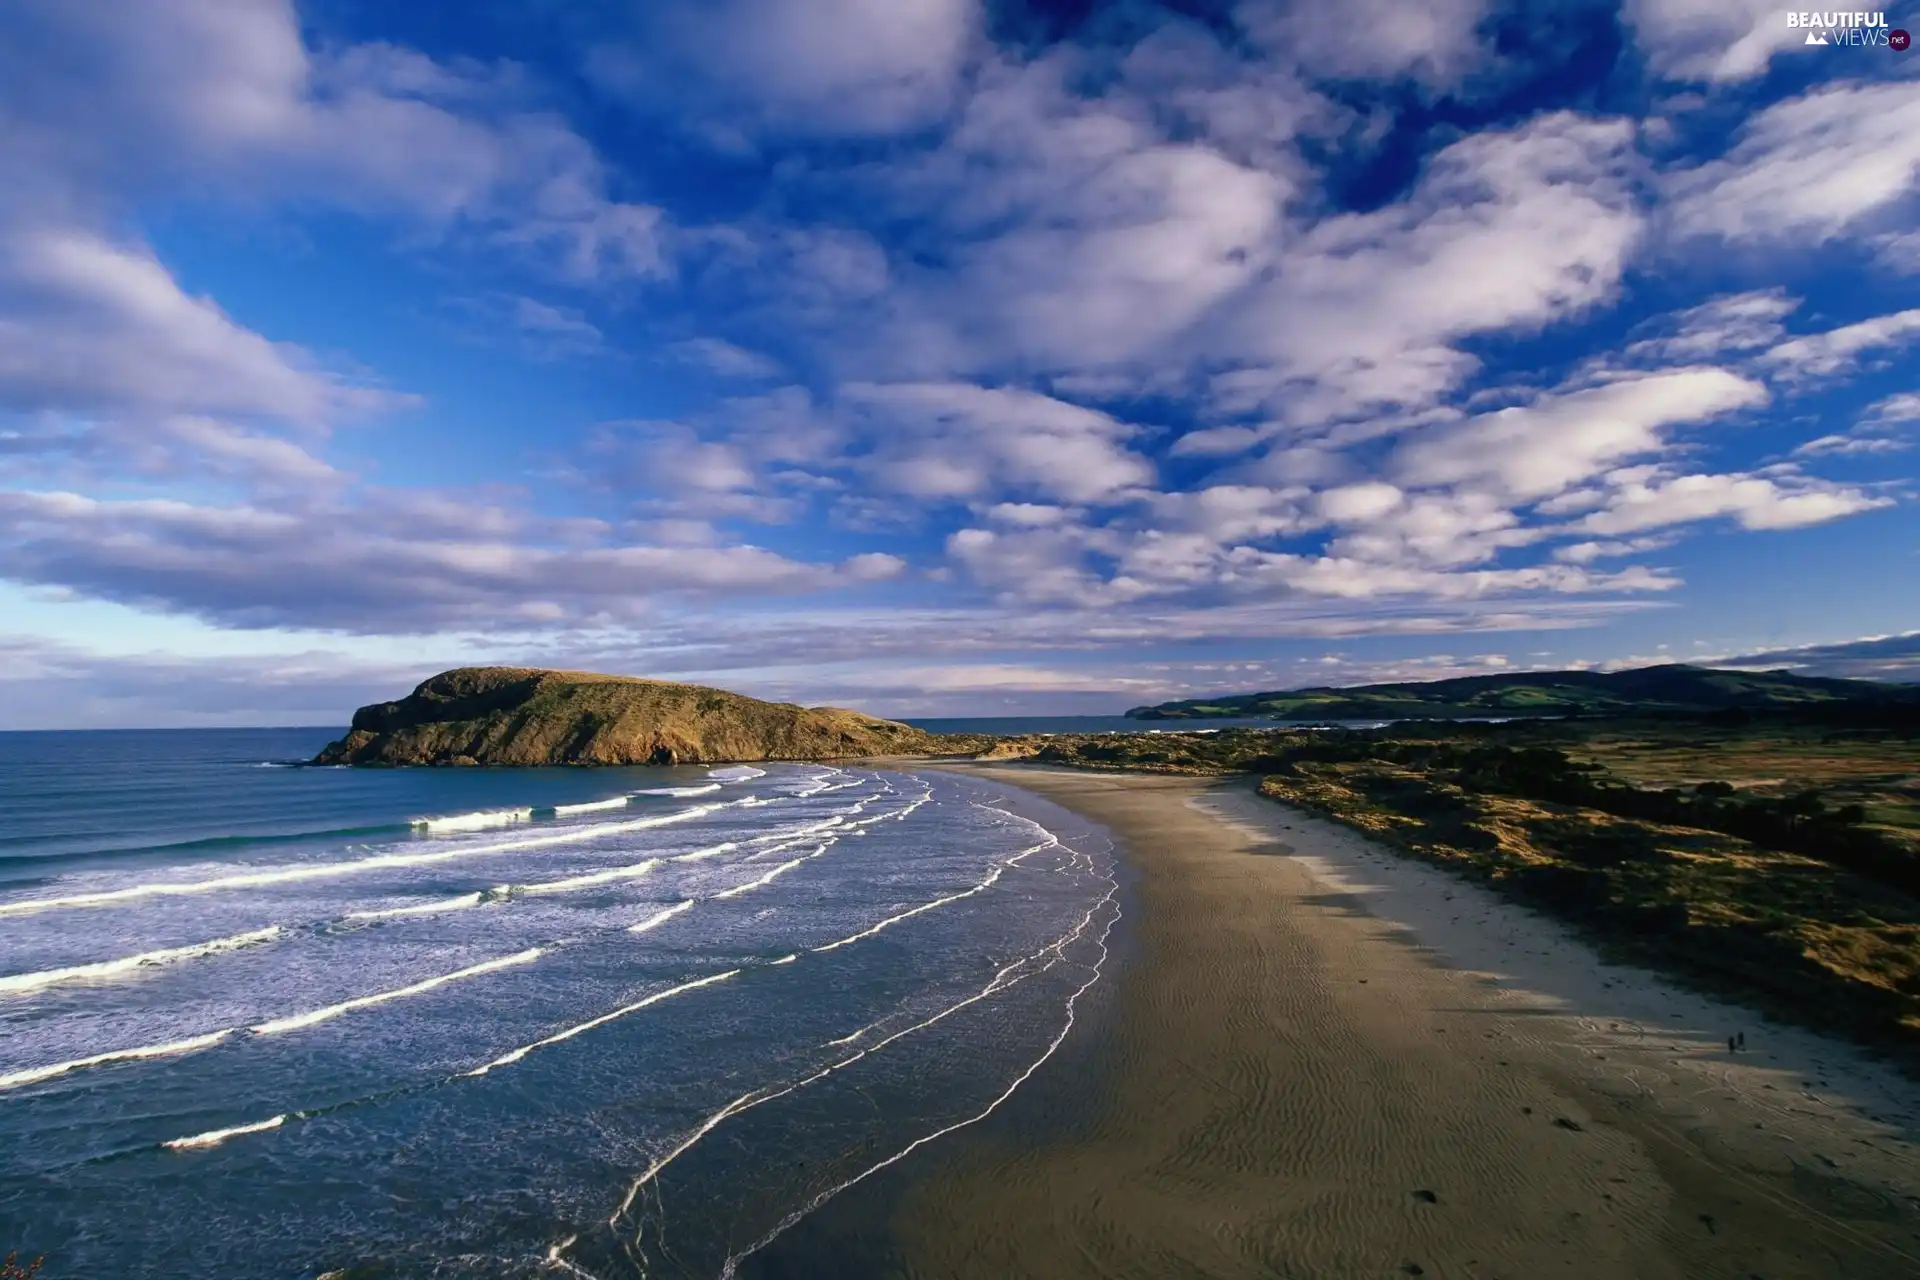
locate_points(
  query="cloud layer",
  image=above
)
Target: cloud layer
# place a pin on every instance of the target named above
(1116, 333)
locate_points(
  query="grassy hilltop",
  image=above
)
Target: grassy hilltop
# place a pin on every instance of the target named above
(1672, 688)
(528, 716)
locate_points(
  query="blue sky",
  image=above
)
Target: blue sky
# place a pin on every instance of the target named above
(944, 357)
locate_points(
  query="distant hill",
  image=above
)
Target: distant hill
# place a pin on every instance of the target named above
(1675, 687)
(528, 716)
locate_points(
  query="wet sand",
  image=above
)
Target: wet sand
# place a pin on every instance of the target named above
(1322, 1060)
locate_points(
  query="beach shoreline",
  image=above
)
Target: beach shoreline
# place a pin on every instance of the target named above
(1326, 1059)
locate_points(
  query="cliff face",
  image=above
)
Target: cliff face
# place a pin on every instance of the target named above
(527, 716)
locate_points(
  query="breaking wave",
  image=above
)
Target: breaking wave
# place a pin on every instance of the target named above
(581, 1028)
(33, 1075)
(473, 821)
(379, 862)
(23, 983)
(299, 1020)
(214, 1137)
(590, 806)
(424, 908)
(659, 918)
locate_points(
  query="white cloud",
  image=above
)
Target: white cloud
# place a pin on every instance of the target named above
(86, 324)
(1544, 448)
(1588, 552)
(1808, 169)
(1505, 231)
(955, 440)
(1359, 503)
(1231, 513)
(725, 359)
(388, 563)
(103, 106)
(1084, 235)
(1880, 430)
(1751, 501)
(1720, 41)
(1734, 323)
(1841, 350)
(1369, 39)
(808, 67)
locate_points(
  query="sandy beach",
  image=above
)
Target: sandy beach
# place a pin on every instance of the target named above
(1325, 1060)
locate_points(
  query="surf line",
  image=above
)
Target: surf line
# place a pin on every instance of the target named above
(23, 983)
(218, 1136)
(924, 907)
(534, 888)
(732, 1265)
(33, 1075)
(214, 1137)
(1001, 981)
(581, 1028)
(473, 821)
(299, 1020)
(276, 1026)
(379, 862)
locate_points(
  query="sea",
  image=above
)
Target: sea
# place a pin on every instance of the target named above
(260, 1019)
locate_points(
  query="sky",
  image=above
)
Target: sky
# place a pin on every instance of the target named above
(945, 357)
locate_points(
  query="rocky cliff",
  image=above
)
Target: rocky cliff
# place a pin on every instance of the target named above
(527, 716)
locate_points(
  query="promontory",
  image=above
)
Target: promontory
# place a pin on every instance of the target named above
(528, 716)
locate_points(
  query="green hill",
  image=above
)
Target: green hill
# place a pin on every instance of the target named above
(1673, 688)
(527, 716)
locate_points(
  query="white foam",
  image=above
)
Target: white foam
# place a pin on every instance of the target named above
(508, 1059)
(423, 909)
(707, 789)
(711, 851)
(923, 908)
(732, 1264)
(769, 877)
(632, 871)
(474, 821)
(591, 806)
(33, 1075)
(1008, 976)
(736, 773)
(22, 983)
(849, 1039)
(659, 918)
(792, 834)
(214, 1137)
(748, 1101)
(379, 862)
(299, 1020)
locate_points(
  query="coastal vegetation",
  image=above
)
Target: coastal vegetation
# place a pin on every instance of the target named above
(1774, 858)
(1675, 687)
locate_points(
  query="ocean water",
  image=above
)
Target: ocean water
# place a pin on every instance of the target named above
(259, 1020)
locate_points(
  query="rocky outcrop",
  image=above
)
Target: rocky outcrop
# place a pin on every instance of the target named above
(528, 716)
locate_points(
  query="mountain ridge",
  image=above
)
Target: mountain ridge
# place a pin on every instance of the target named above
(1669, 687)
